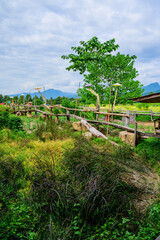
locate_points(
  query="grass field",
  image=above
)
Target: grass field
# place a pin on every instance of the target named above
(133, 107)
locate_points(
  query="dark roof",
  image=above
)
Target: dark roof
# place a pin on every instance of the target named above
(152, 98)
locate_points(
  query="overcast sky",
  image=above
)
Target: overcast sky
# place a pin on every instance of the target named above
(35, 33)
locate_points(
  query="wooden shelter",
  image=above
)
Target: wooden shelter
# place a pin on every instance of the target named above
(152, 98)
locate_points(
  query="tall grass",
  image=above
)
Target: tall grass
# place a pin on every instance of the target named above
(65, 187)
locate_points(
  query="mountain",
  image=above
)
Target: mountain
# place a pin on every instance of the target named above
(153, 87)
(49, 93)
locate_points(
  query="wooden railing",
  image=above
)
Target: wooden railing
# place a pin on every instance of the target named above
(127, 116)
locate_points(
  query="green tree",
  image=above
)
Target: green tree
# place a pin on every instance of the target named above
(21, 99)
(15, 99)
(102, 67)
(1, 98)
(38, 101)
(6, 98)
(58, 100)
(28, 98)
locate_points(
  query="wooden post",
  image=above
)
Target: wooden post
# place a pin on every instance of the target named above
(97, 115)
(68, 117)
(126, 123)
(135, 135)
(51, 108)
(36, 114)
(18, 104)
(57, 120)
(155, 127)
(51, 112)
(151, 115)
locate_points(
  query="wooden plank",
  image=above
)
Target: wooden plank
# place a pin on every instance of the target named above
(95, 132)
(135, 135)
(71, 109)
(142, 134)
(113, 125)
(113, 114)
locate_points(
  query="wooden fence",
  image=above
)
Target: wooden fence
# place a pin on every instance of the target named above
(48, 114)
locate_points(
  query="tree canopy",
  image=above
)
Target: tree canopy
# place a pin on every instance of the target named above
(102, 66)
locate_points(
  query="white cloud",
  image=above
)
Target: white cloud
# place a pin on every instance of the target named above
(34, 35)
(149, 71)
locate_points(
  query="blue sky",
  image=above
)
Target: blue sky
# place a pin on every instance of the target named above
(35, 33)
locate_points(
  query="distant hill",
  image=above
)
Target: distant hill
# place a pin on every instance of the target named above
(153, 87)
(49, 93)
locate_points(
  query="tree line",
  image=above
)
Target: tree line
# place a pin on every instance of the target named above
(35, 100)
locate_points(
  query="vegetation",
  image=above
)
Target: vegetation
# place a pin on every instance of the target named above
(54, 184)
(102, 68)
(12, 122)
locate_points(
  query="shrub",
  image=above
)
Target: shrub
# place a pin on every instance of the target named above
(15, 123)
(50, 130)
(4, 119)
(100, 192)
(17, 218)
(2, 122)
(56, 111)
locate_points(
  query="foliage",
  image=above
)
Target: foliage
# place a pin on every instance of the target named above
(143, 106)
(4, 119)
(15, 123)
(102, 69)
(28, 98)
(15, 99)
(149, 149)
(6, 98)
(17, 219)
(38, 101)
(144, 118)
(22, 99)
(61, 186)
(2, 122)
(1, 98)
(49, 130)
(69, 190)
(69, 104)
(3, 108)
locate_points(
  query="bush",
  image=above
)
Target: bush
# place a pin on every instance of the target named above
(17, 218)
(4, 119)
(50, 130)
(2, 122)
(15, 123)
